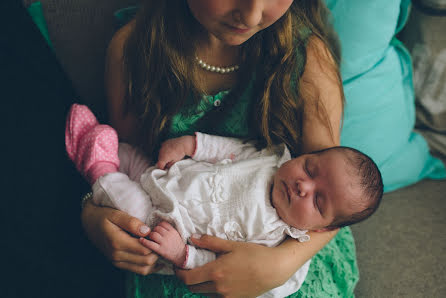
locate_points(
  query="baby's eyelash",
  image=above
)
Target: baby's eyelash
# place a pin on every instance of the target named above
(316, 206)
(306, 168)
(317, 203)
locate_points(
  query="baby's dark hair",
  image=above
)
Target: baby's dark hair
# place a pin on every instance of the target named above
(370, 181)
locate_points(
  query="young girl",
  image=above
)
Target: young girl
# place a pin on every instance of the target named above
(279, 84)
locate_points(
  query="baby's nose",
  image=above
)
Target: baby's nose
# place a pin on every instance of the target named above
(305, 188)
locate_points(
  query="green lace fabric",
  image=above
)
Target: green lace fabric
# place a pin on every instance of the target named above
(333, 271)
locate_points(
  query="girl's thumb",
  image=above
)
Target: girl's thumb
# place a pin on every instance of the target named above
(212, 243)
(130, 224)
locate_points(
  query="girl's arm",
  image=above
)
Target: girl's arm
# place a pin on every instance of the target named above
(115, 89)
(246, 269)
(111, 230)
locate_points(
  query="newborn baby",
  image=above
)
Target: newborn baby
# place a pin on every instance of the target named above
(227, 188)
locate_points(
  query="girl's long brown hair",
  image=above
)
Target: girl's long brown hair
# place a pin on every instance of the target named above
(161, 73)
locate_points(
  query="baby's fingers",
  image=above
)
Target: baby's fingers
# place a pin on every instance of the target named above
(164, 164)
(160, 230)
(167, 226)
(150, 244)
(156, 237)
(161, 164)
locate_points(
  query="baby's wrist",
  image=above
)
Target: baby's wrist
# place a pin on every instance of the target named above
(189, 144)
(181, 261)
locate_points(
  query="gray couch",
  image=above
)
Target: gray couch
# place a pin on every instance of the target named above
(401, 250)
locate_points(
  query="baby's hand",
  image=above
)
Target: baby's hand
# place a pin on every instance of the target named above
(174, 150)
(167, 242)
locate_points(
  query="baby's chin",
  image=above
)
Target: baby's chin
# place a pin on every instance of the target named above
(304, 226)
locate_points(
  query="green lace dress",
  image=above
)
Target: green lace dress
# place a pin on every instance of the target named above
(333, 271)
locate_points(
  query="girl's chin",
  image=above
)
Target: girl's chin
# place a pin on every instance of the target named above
(234, 43)
(235, 39)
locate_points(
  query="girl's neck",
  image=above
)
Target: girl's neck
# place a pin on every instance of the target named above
(213, 51)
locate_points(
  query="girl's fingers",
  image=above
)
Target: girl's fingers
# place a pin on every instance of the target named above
(125, 257)
(215, 244)
(129, 223)
(130, 245)
(121, 225)
(143, 270)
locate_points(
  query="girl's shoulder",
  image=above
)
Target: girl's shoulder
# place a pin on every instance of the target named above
(116, 45)
(115, 84)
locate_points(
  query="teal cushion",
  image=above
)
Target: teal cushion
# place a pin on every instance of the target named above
(377, 77)
(365, 29)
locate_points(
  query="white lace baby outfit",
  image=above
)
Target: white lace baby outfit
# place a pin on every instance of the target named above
(223, 190)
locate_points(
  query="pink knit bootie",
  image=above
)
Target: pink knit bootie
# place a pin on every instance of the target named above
(91, 146)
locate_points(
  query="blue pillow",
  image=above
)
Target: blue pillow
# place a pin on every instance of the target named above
(377, 77)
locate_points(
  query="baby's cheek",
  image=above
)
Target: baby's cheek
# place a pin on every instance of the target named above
(302, 217)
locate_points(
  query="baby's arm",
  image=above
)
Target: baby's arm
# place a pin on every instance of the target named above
(212, 148)
(203, 147)
(167, 242)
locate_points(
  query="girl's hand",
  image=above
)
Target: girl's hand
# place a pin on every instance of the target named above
(174, 150)
(109, 230)
(242, 269)
(167, 242)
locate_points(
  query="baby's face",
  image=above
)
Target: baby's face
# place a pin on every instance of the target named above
(310, 191)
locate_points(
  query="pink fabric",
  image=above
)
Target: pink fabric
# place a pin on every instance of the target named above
(92, 147)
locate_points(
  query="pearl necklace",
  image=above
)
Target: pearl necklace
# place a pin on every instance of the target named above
(217, 69)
